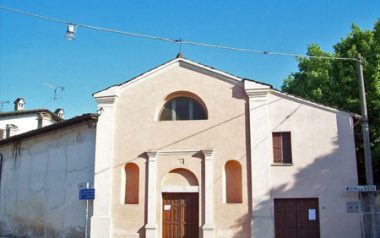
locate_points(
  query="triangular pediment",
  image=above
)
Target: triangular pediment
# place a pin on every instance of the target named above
(177, 62)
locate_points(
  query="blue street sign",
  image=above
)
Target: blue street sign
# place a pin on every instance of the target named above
(87, 194)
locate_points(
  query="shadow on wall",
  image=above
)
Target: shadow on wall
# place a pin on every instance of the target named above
(319, 179)
(325, 178)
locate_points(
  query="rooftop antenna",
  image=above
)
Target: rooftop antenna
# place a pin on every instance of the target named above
(2, 103)
(56, 90)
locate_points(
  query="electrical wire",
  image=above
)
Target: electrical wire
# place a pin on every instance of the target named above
(176, 41)
(264, 52)
(51, 19)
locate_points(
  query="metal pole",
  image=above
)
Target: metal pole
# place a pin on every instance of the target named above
(86, 223)
(86, 228)
(367, 147)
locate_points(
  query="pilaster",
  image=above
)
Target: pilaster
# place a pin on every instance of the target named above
(208, 227)
(260, 138)
(101, 221)
(151, 226)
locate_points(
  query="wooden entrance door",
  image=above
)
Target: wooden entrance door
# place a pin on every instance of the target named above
(180, 215)
(296, 218)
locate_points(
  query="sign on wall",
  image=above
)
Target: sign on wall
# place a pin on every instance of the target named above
(87, 194)
(361, 188)
(312, 214)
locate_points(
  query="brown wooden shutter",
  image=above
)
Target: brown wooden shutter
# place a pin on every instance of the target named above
(286, 148)
(282, 149)
(1, 134)
(277, 158)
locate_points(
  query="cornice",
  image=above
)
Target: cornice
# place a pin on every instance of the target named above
(155, 153)
(207, 153)
(106, 100)
(173, 152)
(257, 92)
(152, 154)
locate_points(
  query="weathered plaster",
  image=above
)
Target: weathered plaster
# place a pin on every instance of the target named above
(39, 183)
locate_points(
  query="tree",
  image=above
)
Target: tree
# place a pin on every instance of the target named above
(335, 83)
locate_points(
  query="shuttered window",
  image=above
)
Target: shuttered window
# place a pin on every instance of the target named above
(1, 134)
(282, 149)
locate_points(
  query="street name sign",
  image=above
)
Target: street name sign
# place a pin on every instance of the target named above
(87, 194)
(361, 188)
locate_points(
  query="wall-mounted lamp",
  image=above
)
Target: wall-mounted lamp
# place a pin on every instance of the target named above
(70, 32)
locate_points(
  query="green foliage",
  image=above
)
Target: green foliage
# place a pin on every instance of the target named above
(335, 83)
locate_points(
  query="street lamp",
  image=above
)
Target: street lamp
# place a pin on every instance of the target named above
(70, 32)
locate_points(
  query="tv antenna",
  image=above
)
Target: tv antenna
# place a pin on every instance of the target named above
(56, 90)
(2, 103)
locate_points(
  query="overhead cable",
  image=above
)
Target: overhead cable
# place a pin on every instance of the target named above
(176, 41)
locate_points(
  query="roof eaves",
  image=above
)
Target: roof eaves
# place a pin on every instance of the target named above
(12, 113)
(225, 73)
(184, 60)
(354, 115)
(52, 127)
(137, 76)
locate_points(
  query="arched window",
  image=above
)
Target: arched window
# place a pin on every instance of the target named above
(233, 182)
(182, 108)
(131, 184)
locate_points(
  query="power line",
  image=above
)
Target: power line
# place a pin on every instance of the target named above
(56, 20)
(175, 41)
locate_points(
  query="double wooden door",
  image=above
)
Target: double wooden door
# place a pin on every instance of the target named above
(296, 218)
(180, 215)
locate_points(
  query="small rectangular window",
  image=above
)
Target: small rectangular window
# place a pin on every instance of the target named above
(282, 149)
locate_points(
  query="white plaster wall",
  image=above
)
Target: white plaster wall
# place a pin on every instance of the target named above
(324, 161)
(39, 194)
(24, 123)
(101, 219)
(47, 121)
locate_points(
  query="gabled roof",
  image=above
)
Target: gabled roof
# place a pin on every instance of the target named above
(113, 90)
(34, 111)
(53, 127)
(315, 104)
(181, 61)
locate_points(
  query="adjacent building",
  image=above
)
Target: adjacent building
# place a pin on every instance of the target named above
(20, 120)
(41, 172)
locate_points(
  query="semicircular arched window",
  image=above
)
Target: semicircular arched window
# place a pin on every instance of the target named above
(182, 108)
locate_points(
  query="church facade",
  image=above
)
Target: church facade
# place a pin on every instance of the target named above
(185, 150)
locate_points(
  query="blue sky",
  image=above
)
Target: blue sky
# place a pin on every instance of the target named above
(34, 52)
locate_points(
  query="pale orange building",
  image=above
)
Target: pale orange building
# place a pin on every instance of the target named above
(185, 150)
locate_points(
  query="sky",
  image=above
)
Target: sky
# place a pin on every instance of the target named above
(34, 53)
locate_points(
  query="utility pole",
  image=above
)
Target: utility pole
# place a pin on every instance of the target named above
(367, 147)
